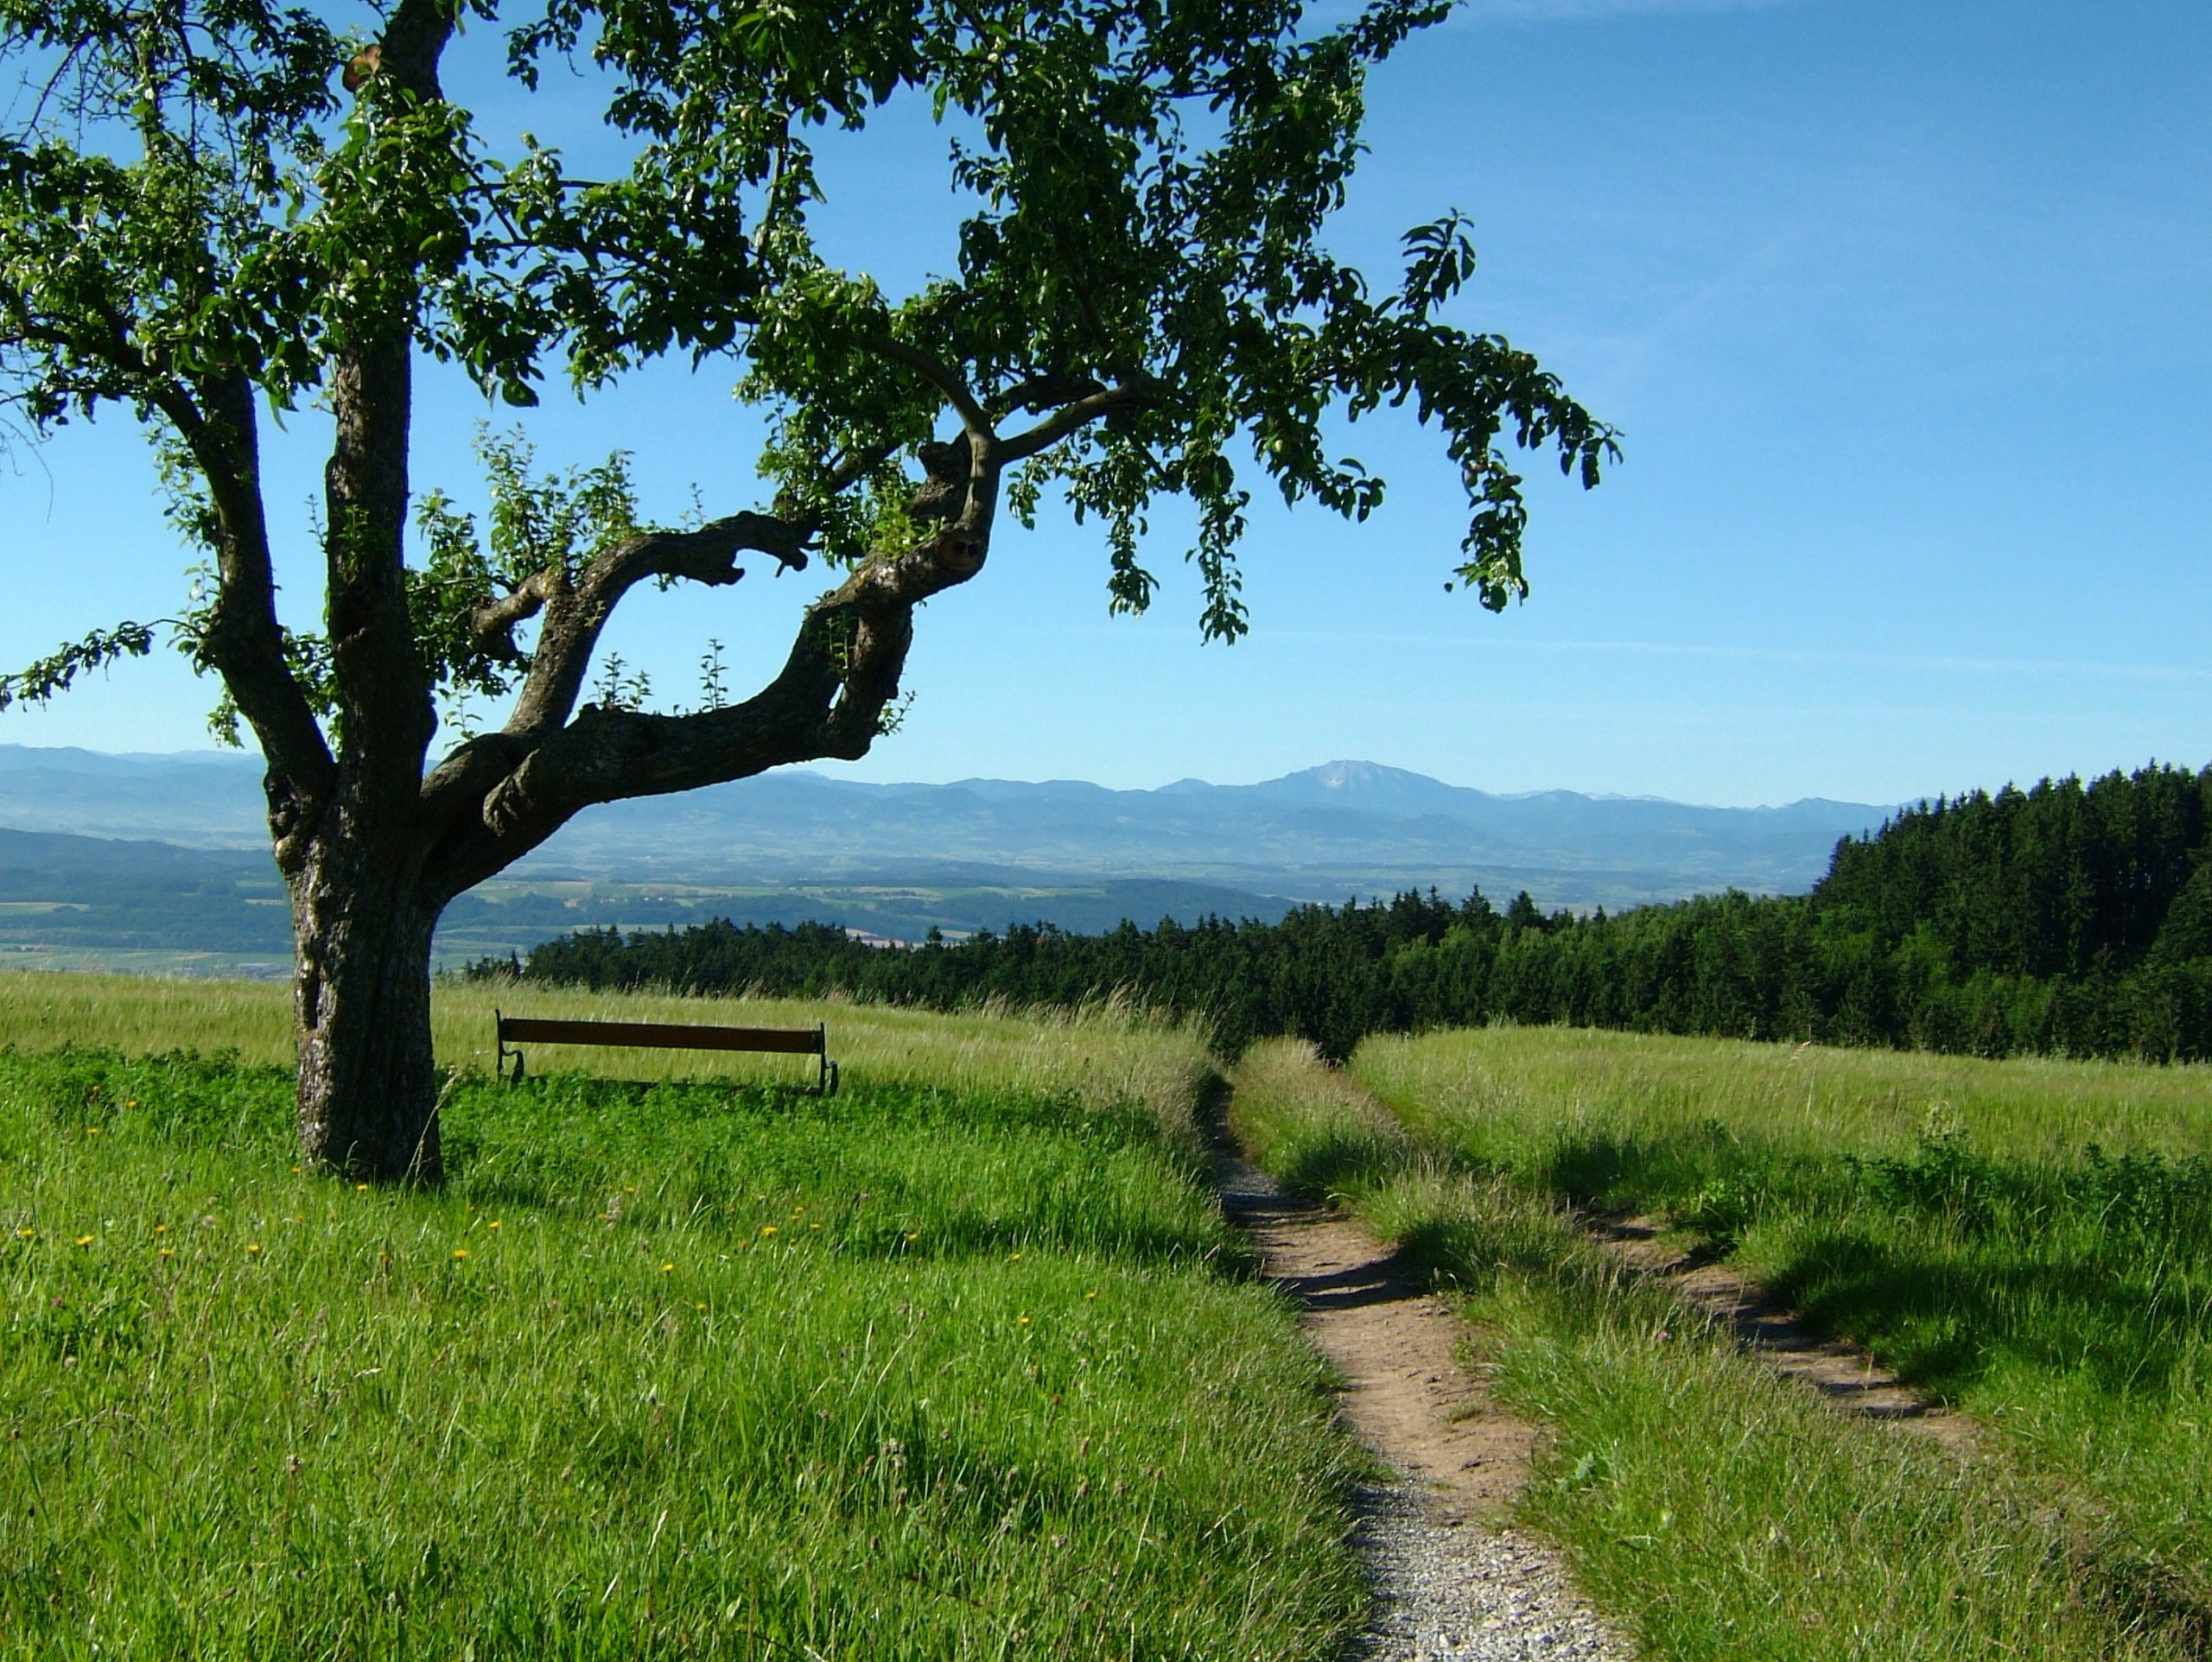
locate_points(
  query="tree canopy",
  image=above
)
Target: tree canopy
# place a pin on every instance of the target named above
(216, 211)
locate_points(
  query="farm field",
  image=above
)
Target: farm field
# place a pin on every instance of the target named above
(953, 1364)
(2030, 1240)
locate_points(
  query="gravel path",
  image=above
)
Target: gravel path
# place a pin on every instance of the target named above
(1450, 1582)
(1470, 1593)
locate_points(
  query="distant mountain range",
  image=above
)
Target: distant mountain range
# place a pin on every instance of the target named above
(1322, 834)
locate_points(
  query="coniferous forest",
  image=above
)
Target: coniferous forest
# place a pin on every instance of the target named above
(2069, 919)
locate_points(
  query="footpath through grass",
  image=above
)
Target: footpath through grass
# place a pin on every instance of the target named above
(687, 1370)
(1951, 1213)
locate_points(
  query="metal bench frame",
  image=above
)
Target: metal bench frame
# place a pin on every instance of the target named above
(663, 1036)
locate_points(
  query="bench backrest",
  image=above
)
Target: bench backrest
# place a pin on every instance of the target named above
(663, 1036)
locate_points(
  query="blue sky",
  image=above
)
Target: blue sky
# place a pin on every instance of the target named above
(1902, 308)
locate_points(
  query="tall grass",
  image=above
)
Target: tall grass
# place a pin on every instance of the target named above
(1104, 1053)
(926, 1370)
(1496, 1093)
(2030, 1240)
(1719, 1512)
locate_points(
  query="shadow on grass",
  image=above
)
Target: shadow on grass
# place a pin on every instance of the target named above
(1943, 1320)
(1943, 1260)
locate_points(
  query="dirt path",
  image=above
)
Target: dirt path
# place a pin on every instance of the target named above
(1844, 1375)
(1450, 1581)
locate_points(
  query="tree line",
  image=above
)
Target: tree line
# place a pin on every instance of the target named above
(2067, 919)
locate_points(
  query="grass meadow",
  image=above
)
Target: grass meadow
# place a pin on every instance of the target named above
(2032, 1241)
(1102, 1055)
(957, 1364)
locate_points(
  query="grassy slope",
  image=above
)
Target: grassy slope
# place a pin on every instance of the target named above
(930, 1370)
(1722, 1513)
(2032, 1240)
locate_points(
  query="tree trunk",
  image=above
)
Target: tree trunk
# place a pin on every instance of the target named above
(361, 1013)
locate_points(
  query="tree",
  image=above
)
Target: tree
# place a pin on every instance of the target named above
(211, 211)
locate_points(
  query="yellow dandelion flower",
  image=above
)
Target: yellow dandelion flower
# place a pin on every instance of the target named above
(768, 1228)
(132, 1103)
(1014, 1258)
(27, 1234)
(917, 1235)
(666, 1268)
(701, 1306)
(84, 1240)
(493, 1224)
(1093, 1293)
(169, 1252)
(1023, 1322)
(360, 1189)
(813, 1225)
(92, 1131)
(253, 1246)
(160, 1228)
(460, 1252)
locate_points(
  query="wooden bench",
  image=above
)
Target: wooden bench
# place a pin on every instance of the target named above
(665, 1036)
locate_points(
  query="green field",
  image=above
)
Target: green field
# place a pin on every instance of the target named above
(958, 1364)
(2031, 1240)
(964, 1363)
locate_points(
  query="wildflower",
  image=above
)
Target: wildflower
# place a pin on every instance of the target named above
(768, 1228)
(460, 1252)
(92, 1131)
(1093, 1293)
(84, 1240)
(813, 1225)
(160, 1228)
(360, 1189)
(295, 1172)
(169, 1252)
(702, 1307)
(27, 1234)
(1023, 1322)
(666, 1268)
(132, 1103)
(493, 1224)
(253, 1247)
(1015, 1258)
(917, 1235)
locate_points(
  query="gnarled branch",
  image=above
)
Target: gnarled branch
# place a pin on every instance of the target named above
(1070, 418)
(501, 795)
(576, 611)
(940, 375)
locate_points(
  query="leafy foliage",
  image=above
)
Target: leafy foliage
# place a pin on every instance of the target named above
(188, 198)
(196, 225)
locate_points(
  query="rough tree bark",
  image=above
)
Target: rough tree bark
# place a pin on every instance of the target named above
(374, 855)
